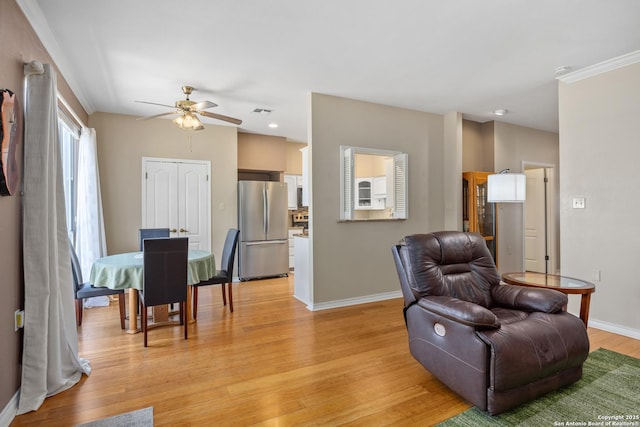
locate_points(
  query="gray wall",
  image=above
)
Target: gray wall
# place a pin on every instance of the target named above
(599, 152)
(352, 260)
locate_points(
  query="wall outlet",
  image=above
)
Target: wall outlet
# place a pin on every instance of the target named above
(579, 203)
(19, 319)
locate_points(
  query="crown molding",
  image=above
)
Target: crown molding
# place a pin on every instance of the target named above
(36, 18)
(602, 67)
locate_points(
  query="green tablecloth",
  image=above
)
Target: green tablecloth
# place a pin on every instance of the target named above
(124, 271)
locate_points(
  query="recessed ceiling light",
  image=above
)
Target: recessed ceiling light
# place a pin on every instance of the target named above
(273, 125)
(564, 69)
(500, 112)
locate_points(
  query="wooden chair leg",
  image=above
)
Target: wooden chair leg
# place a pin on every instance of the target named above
(122, 309)
(230, 297)
(143, 321)
(183, 316)
(194, 290)
(224, 297)
(79, 312)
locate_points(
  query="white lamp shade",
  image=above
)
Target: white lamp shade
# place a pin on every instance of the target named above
(507, 188)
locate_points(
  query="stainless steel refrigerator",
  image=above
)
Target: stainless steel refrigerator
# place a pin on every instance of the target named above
(262, 219)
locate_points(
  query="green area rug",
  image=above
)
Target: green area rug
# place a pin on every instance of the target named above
(139, 418)
(607, 395)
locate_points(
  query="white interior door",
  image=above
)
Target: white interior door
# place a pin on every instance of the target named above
(535, 244)
(193, 204)
(160, 195)
(176, 195)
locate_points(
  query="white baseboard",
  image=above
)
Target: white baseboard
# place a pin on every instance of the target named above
(9, 412)
(616, 329)
(354, 301)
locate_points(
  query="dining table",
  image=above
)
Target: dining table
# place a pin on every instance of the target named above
(125, 271)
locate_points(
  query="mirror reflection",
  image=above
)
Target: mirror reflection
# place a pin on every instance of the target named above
(373, 184)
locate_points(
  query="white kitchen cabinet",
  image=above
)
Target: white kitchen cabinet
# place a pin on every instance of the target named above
(371, 193)
(363, 189)
(293, 232)
(305, 176)
(292, 191)
(379, 197)
(380, 187)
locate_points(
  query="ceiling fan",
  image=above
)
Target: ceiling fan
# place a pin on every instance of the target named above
(189, 111)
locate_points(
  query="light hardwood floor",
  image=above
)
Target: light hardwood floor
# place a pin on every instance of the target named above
(271, 362)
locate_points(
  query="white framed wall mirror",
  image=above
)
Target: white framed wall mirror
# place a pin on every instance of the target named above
(373, 184)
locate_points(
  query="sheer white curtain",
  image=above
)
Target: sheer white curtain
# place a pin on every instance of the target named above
(90, 239)
(50, 361)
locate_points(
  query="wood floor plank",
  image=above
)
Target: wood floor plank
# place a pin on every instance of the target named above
(271, 362)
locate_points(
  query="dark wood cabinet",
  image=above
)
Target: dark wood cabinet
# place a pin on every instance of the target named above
(479, 215)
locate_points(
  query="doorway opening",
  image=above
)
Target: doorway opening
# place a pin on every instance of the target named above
(540, 220)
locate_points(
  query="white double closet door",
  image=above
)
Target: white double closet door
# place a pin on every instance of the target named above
(176, 194)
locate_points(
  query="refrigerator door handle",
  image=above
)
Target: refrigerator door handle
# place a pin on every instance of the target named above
(265, 214)
(268, 242)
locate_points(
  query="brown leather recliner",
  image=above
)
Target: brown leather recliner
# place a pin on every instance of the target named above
(494, 344)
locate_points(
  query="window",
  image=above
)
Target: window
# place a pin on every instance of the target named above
(69, 135)
(373, 184)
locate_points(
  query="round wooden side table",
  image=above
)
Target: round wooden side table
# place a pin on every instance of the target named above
(567, 285)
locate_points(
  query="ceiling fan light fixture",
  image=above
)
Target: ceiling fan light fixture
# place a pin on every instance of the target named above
(189, 110)
(500, 112)
(188, 121)
(179, 121)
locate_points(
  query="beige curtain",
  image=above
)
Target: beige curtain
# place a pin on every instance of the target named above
(50, 362)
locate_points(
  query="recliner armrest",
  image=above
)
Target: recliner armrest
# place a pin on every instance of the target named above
(528, 299)
(464, 312)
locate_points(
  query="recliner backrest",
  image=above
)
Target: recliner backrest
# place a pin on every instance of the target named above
(407, 293)
(450, 263)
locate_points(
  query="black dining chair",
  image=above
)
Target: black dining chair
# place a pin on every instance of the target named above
(151, 233)
(223, 276)
(164, 277)
(87, 290)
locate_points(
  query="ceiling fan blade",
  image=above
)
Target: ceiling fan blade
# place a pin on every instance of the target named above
(157, 115)
(220, 117)
(155, 103)
(203, 105)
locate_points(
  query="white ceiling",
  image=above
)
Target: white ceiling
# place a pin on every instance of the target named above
(436, 56)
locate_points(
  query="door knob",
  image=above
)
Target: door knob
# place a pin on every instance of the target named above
(173, 230)
(182, 230)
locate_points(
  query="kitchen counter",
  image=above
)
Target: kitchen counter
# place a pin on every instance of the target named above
(301, 279)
